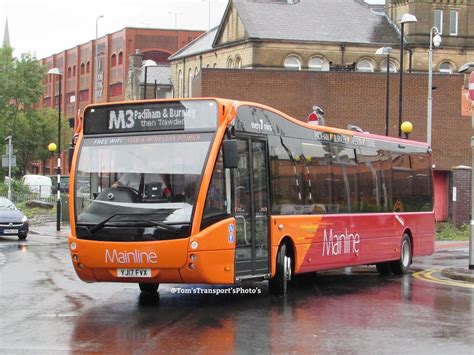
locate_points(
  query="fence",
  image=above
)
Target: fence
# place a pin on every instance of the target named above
(28, 196)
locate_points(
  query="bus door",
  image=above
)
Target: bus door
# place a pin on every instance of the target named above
(251, 191)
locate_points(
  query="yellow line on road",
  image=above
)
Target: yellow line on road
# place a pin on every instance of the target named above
(427, 275)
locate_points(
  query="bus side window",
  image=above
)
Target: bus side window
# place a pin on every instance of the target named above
(215, 208)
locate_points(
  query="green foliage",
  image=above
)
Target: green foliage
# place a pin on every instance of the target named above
(31, 129)
(446, 231)
(17, 187)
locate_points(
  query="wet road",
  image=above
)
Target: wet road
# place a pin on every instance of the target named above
(45, 308)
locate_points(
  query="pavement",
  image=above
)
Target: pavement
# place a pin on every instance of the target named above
(461, 274)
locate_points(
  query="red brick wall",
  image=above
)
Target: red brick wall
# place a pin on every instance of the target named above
(357, 98)
(461, 208)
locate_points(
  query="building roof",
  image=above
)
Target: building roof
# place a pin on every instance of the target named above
(160, 73)
(6, 35)
(200, 45)
(349, 21)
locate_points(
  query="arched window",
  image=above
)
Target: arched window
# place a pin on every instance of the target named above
(215, 65)
(392, 68)
(69, 72)
(238, 62)
(365, 66)
(445, 68)
(83, 68)
(113, 60)
(74, 71)
(190, 82)
(230, 62)
(180, 84)
(120, 58)
(292, 62)
(88, 67)
(207, 66)
(318, 64)
(196, 71)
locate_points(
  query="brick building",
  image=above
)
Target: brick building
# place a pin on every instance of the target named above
(359, 98)
(97, 71)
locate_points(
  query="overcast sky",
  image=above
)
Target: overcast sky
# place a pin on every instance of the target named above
(45, 27)
(50, 26)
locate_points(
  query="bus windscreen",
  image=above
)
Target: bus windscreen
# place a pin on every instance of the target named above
(155, 177)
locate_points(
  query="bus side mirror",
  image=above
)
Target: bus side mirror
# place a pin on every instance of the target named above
(231, 154)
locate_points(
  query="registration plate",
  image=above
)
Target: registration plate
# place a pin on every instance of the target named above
(133, 272)
(10, 231)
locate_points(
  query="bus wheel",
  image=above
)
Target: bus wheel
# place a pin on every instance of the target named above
(401, 266)
(149, 289)
(278, 285)
(384, 268)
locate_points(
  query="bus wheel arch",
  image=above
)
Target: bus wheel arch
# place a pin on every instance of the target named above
(284, 265)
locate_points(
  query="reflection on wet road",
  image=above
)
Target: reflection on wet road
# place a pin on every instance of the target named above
(45, 307)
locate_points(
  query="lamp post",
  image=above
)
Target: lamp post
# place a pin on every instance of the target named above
(464, 68)
(436, 41)
(147, 63)
(9, 152)
(386, 51)
(175, 18)
(97, 26)
(406, 18)
(55, 71)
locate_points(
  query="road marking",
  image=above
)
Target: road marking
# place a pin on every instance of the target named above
(427, 275)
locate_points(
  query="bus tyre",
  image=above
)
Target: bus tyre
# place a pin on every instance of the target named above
(278, 285)
(384, 268)
(149, 289)
(401, 266)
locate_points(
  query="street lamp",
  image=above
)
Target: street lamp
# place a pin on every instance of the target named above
(386, 51)
(436, 41)
(55, 71)
(464, 68)
(147, 63)
(9, 152)
(406, 18)
(97, 26)
(406, 128)
(175, 18)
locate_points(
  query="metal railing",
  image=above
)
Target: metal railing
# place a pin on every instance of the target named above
(28, 196)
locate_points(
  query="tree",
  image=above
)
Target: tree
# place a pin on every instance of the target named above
(21, 89)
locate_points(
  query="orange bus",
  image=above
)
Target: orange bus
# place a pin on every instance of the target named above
(217, 191)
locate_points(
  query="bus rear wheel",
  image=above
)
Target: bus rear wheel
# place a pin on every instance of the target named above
(384, 268)
(278, 285)
(149, 289)
(402, 265)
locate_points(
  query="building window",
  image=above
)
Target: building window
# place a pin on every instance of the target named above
(88, 67)
(116, 89)
(318, 64)
(190, 82)
(392, 68)
(230, 62)
(445, 68)
(453, 23)
(113, 60)
(365, 66)
(196, 71)
(180, 84)
(120, 58)
(215, 65)
(439, 20)
(238, 62)
(83, 68)
(69, 72)
(74, 71)
(292, 63)
(84, 95)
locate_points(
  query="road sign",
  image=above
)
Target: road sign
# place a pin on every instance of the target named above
(313, 118)
(5, 161)
(471, 86)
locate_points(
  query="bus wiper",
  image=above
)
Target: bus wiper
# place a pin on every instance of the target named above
(156, 224)
(101, 224)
